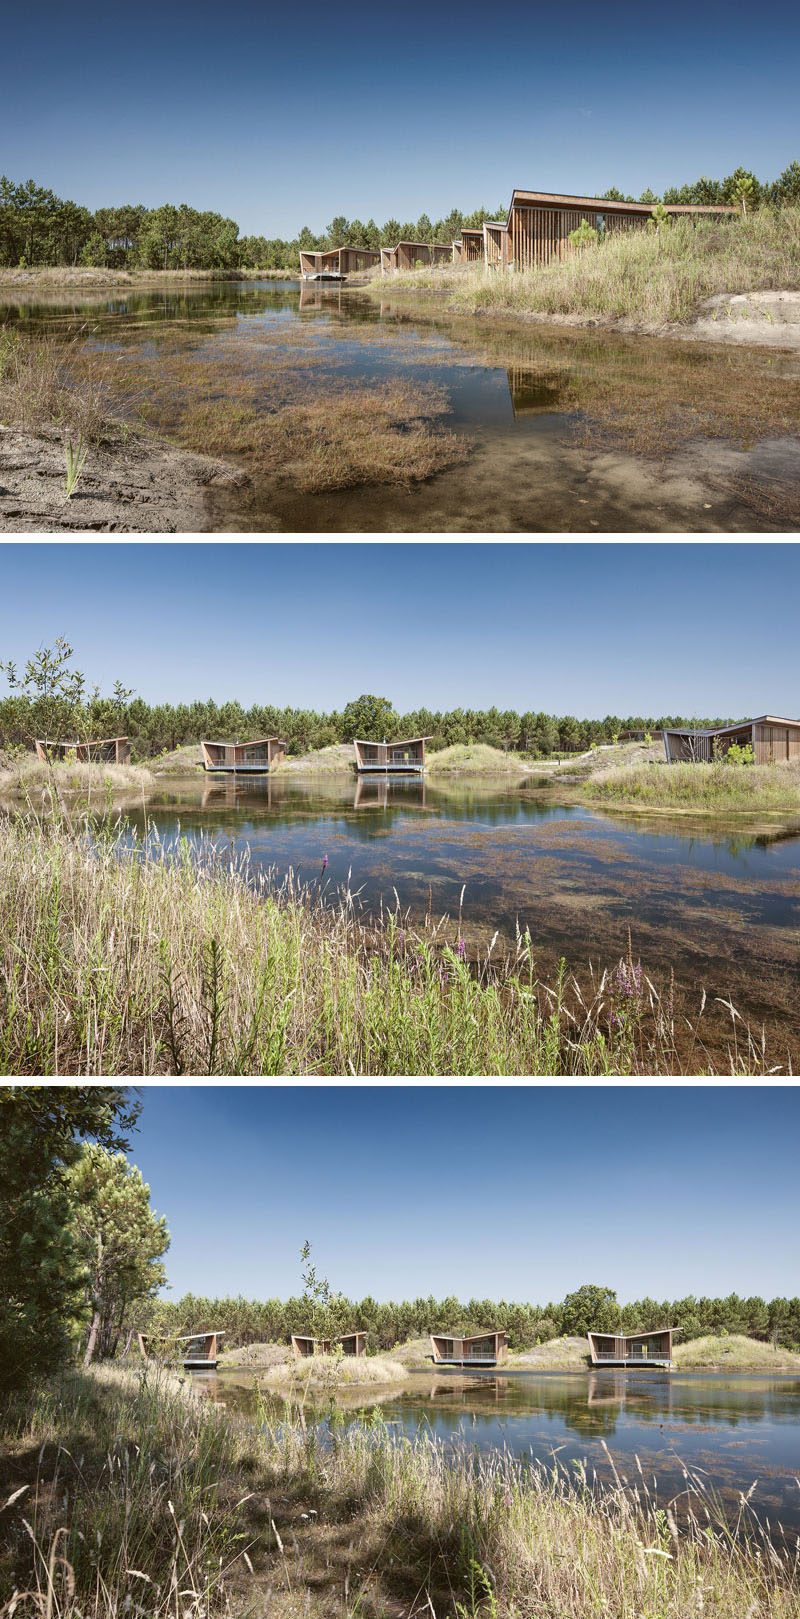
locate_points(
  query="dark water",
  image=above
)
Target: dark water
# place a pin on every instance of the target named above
(717, 901)
(730, 1431)
(526, 397)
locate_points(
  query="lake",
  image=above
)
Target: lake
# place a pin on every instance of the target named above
(716, 901)
(732, 1431)
(566, 430)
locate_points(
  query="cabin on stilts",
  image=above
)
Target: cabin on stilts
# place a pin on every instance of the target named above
(353, 1343)
(632, 1348)
(414, 255)
(109, 750)
(391, 758)
(480, 1349)
(773, 741)
(198, 1355)
(243, 758)
(335, 263)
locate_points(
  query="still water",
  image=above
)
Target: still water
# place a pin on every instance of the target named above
(729, 1431)
(717, 901)
(567, 429)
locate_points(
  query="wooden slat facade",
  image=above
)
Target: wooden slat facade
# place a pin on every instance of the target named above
(412, 255)
(110, 750)
(404, 758)
(632, 1348)
(244, 758)
(773, 740)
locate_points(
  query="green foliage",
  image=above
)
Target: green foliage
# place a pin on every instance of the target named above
(660, 217)
(740, 754)
(585, 235)
(75, 458)
(369, 718)
(590, 1309)
(119, 1239)
(40, 1283)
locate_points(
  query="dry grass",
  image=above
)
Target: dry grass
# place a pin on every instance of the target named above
(636, 276)
(29, 778)
(714, 788)
(476, 758)
(327, 1373)
(567, 1354)
(119, 960)
(257, 1354)
(125, 1495)
(45, 380)
(733, 1351)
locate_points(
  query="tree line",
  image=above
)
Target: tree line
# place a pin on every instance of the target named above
(51, 700)
(247, 1321)
(39, 228)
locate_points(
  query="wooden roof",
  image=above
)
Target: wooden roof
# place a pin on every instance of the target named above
(604, 205)
(721, 730)
(84, 742)
(259, 743)
(186, 1337)
(403, 742)
(653, 1332)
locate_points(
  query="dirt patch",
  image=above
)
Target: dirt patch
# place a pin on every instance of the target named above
(129, 484)
(766, 319)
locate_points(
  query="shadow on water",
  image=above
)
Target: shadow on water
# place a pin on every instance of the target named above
(736, 1429)
(716, 902)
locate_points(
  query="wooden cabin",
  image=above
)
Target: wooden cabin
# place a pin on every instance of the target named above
(471, 244)
(243, 758)
(412, 255)
(773, 740)
(200, 1353)
(632, 1348)
(334, 263)
(481, 1349)
(353, 1343)
(539, 222)
(495, 244)
(110, 750)
(391, 758)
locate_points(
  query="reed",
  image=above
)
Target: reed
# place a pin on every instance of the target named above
(713, 787)
(123, 956)
(133, 1495)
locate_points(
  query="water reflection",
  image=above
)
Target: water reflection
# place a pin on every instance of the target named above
(735, 1428)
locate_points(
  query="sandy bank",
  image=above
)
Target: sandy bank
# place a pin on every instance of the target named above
(46, 278)
(129, 484)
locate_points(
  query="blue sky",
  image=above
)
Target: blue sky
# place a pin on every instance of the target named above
(586, 629)
(697, 1186)
(279, 116)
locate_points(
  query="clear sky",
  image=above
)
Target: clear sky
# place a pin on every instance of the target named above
(284, 115)
(586, 629)
(661, 1192)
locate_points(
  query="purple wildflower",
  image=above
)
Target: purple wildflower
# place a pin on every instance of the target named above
(462, 949)
(324, 861)
(629, 979)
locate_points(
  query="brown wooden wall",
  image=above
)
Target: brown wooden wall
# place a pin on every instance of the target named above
(774, 744)
(540, 235)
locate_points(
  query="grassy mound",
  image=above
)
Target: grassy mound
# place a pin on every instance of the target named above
(568, 1354)
(255, 1355)
(328, 1372)
(650, 279)
(475, 759)
(716, 787)
(30, 776)
(734, 1351)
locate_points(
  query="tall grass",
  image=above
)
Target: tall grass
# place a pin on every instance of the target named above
(131, 1496)
(45, 381)
(119, 960)
(649, 278)
(718, 786)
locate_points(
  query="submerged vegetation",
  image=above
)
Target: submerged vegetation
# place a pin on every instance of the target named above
(132, 1494)
(210, 967)
(647, 278)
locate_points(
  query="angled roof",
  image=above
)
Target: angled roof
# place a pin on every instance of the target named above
(259, 743)
(604, 205)
(721, 730)
(653, 1332)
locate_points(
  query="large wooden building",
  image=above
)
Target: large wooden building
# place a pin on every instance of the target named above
(479, 1349)
(632, 1348)
(773, 740)
(200, 1354)
(110, 750)
(405, 758)
(539, 224)
(243, 758)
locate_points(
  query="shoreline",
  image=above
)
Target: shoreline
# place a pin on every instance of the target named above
(46, 276)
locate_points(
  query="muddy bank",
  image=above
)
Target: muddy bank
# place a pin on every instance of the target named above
(45, 278)
(129, 484)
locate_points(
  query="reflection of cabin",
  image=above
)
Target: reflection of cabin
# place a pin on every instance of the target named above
(391, 758)
(632, 1348)
(382, 791)
(353, 1343)
(410, 255)
(200, 1353)
(772, 740)
(335, 263)
(481, 1349)
(111, 750)
(243, 758)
